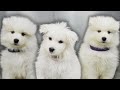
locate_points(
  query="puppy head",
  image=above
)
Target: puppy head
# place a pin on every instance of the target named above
(16, 32)
(102, 31)
(57, 38)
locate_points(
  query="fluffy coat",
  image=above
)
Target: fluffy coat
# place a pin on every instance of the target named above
(18, 65)
(100, 64)
(63, 63)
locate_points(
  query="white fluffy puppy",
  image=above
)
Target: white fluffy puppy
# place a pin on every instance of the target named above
(99, 53)
(57, 58)
(18, 36)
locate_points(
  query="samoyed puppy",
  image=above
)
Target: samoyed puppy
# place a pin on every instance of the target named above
(98, 53)
(18, 36)
(57, 58)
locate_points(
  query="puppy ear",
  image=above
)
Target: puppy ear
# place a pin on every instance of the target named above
(5, 24)
(63, 24)
(5, 21)
(72, 38)
(91, 21)
(43, 29)
(117, 26)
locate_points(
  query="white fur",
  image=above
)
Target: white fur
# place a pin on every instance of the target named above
(18, 65)
(67, 65)
(100, 64)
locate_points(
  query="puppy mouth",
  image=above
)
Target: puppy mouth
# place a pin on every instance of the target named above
(16, 44)
(102, 42)
(52, 55)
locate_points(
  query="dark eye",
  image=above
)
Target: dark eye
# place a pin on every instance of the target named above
(50, 38)
(23, 34)
(60, 41)
(99, 31)
(109, 32)
(12, 32)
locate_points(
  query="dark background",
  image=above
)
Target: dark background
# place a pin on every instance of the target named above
(77, 20)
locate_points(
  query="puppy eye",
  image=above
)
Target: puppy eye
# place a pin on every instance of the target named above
(23, 34)
(99, 31)
(109, 32)
(60, 41)
(12, 32)
(50, 38)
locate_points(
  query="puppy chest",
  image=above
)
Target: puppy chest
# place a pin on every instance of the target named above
(104, 64)
(55, 70)
(15, 62)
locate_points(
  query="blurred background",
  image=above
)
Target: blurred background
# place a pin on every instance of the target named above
(77, 20)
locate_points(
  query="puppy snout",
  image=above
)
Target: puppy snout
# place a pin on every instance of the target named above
(51, 49)
(16, 41)
(104, 39)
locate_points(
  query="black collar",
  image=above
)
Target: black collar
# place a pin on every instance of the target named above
(99, 49)
(14, 50)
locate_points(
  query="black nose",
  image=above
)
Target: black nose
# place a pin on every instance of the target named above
(51, 49)
(104, 38)
(16, 40)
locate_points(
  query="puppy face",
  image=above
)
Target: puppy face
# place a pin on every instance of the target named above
(15, 34)
(14, 39)
(103, 32)
(55, 43)
(57, 38)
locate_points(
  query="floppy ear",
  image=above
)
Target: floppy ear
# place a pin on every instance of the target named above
(43, 29)
(72, 38)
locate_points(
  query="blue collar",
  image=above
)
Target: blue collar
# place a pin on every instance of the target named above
(99, 49)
